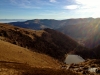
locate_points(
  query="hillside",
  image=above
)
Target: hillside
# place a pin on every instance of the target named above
(83, 30)
(93, 53)
(14, 53)
(15, 60)
(86, 33)
(47, 41)
(96, 51)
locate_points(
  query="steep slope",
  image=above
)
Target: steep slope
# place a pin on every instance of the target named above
(14, 53)
(94, 39)
(47, 41)
(96, 52)
(93, 53)
(86, 33)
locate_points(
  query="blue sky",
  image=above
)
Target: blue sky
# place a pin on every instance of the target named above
(49, 9)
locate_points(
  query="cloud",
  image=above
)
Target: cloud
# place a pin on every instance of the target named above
(88, 3)
(84, 8)
(71, 7)
(91, 6)
(52, 1)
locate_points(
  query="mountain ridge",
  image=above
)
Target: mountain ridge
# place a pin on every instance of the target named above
(47, 41)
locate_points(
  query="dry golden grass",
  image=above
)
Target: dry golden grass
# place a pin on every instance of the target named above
(14, 53)
(12, 68)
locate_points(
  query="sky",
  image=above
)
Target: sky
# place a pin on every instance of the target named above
(49, 9)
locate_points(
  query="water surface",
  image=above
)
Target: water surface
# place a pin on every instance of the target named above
(73, 59)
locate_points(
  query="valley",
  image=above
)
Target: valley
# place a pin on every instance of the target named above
(49, 37)
(45, 49)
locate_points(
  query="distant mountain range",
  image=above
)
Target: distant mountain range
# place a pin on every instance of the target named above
(83, 30)
(50, 23)
(40, 24)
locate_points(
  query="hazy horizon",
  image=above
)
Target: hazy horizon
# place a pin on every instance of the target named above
(46, 18)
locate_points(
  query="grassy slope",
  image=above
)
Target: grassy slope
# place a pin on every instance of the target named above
(12, 68)
(14, 53)
(14, 60)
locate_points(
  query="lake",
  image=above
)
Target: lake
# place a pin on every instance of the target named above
(73, 59)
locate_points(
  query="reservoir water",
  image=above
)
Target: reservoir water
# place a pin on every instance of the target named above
(73, 59)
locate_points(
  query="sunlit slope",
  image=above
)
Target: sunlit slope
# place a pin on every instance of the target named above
(86, 33)
(14, 53)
